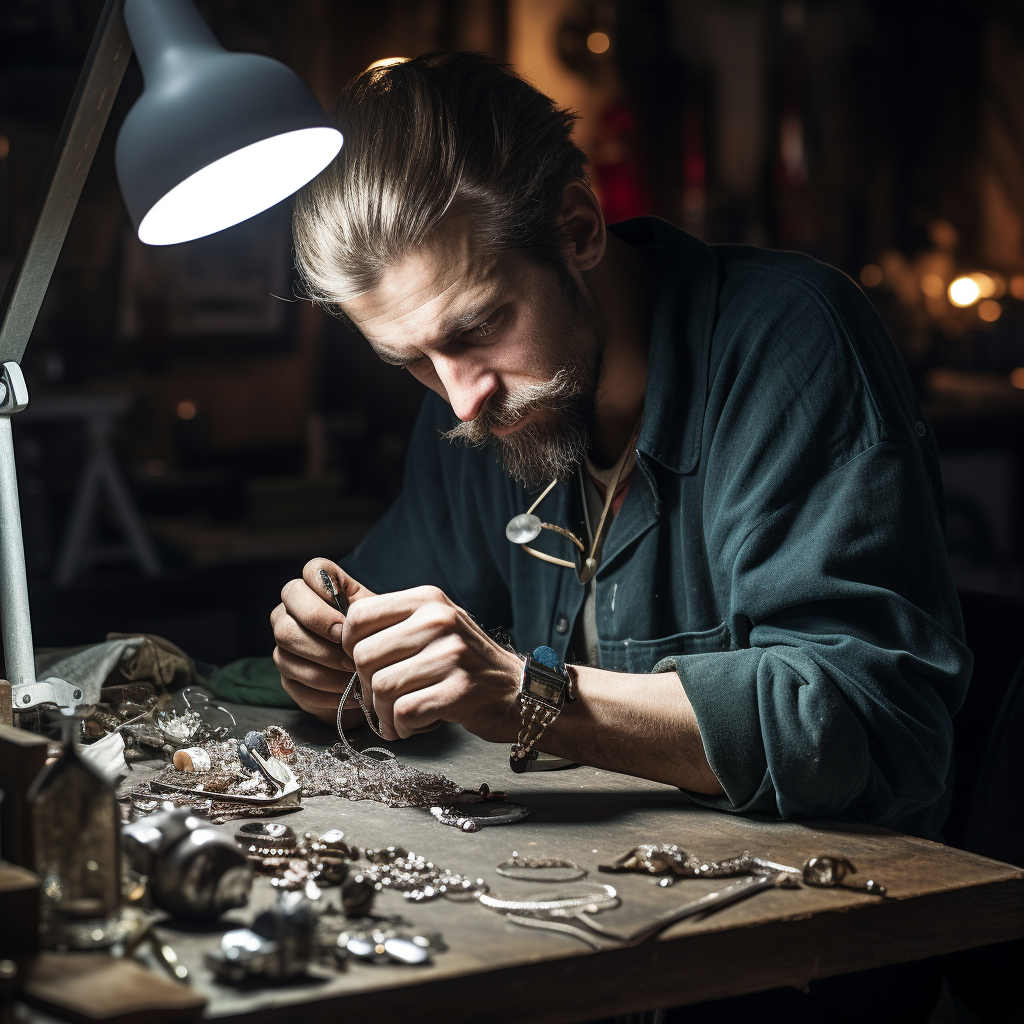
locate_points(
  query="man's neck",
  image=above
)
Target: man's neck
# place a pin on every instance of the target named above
(622, 288)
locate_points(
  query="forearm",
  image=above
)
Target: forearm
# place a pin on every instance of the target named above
(640, 725)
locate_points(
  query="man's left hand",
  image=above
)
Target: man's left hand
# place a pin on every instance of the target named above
(424, 661)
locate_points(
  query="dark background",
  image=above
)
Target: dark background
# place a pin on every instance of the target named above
(884, 138)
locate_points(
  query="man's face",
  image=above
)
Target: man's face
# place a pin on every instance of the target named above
(513, 346)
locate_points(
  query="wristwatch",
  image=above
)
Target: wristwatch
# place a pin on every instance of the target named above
(544, 688)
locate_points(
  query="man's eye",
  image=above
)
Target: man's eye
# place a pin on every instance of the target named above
(489, 326)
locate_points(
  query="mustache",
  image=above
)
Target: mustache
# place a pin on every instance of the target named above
(506, 410)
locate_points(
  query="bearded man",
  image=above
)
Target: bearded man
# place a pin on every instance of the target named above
(729, 434)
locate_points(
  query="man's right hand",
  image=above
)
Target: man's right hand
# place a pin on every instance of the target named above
(314, 667)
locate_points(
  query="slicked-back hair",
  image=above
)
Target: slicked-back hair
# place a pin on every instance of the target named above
(440, 136)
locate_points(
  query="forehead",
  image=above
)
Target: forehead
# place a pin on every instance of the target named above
(425, 294)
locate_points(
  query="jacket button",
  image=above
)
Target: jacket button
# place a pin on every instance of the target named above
(561, 624)
(920, 429)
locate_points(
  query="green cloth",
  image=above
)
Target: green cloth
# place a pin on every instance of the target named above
(781, 545)
(250, 681)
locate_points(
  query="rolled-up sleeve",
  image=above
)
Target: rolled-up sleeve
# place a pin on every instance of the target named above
(843, 701)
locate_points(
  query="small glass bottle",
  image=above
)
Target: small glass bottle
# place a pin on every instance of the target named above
(77, 826)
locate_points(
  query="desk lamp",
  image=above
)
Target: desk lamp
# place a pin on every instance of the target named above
(215, 138)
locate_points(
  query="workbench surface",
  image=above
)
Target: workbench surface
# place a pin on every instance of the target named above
(939, 899)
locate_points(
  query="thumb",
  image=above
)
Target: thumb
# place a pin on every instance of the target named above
(347, 588)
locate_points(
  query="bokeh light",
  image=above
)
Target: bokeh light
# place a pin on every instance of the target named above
(987, 285)
(598, 42)
(871, 275)
(187, 410)
(964, 291)
(933, 286)
(1017, 377)
(990, 311)
(1017, 286)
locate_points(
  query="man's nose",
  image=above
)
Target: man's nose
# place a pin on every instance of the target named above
(468, 387)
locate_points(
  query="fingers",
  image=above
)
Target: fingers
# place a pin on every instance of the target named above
(310, 609)
(291, 635)
(434, 671)
(378, 612)
(322, 704)
(314, 676)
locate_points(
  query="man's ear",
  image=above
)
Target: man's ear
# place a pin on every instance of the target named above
(584, 222)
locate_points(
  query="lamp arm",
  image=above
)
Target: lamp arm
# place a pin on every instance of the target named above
(79, 138)
(69, 166)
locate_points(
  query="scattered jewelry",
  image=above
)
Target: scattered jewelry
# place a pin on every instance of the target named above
(387, 945)
(601, 897)
(540, 869)
(504, 813)
(671, 863)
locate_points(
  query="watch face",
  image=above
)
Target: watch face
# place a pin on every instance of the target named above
(542, 689)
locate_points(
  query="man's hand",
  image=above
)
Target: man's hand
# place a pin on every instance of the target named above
(424, 661)
(308, 629)
(421, 659)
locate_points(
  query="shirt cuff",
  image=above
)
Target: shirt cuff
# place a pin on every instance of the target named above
(722, 691)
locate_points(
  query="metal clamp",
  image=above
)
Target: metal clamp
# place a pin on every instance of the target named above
(13, 390)
(59, 692)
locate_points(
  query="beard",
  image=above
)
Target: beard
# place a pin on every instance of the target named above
(557, 442)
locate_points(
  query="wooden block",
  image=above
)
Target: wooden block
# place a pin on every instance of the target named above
(19, 910)
(22, 756)
(6, 703)
(90, 987)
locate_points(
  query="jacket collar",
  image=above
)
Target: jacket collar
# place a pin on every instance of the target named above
(681, 329)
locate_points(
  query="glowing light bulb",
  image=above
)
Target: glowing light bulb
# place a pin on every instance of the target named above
(239, 186)
(964, 291)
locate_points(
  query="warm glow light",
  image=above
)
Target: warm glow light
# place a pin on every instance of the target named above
(5, 147)
(1017, 377)
(964, 291)
(986, 285)
(239, 185)
(1017, 287)
(990, 311)
(933, 286)
(157, 467)
(386, 62)
(871, 276)
(187, 410)
(598, 42)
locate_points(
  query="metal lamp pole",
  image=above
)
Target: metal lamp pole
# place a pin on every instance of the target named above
(72, 157)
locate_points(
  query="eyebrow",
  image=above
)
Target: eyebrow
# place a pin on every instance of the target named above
(453, 327)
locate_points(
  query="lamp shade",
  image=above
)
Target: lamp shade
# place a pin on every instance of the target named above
(216, 137)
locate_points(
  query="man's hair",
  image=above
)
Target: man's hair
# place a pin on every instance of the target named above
(443, 135)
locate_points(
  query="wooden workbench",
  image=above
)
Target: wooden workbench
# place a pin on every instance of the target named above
(940, 900)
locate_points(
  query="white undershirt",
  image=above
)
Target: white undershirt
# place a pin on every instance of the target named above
(586, 648)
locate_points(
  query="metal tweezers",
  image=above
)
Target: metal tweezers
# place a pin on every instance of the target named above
(555, 920)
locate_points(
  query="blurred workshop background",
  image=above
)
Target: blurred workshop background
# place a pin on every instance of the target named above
(195, 434)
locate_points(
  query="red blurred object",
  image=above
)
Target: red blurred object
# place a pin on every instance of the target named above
(617, 168)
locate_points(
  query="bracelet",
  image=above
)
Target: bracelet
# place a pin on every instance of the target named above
(544, 688)
(525, 868)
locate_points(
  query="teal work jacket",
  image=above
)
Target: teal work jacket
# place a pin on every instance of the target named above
(780, 547)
